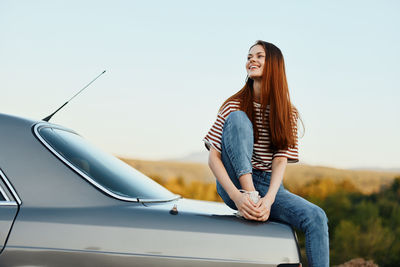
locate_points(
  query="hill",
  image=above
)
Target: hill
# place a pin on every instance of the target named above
(297, 175)
(164, 170)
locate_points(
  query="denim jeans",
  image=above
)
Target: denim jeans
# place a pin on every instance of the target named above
(237, 150)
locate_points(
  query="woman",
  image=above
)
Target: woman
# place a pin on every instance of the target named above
(251, 142)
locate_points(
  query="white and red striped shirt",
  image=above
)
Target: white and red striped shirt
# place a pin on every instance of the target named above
(262, 151)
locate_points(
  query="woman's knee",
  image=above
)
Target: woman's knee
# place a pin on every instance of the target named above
(317, 218)
(320, 217)
(239, 122)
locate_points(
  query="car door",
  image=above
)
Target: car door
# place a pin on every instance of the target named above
(9, 202)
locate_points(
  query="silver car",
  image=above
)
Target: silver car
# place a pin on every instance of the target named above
(63, 202)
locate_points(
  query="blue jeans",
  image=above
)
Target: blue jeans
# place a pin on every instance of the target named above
(237, 150)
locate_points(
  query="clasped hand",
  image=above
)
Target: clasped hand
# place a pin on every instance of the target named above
(259, 211)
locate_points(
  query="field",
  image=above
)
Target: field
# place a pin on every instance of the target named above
(296, 175)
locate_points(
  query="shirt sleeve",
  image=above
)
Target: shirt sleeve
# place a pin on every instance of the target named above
(292, 153)
(214, 135)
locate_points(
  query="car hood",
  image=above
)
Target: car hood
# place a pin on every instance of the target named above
(194, 206)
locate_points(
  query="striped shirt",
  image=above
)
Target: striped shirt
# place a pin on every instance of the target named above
(262, 151)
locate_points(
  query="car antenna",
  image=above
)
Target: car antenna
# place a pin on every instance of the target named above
(51, 115)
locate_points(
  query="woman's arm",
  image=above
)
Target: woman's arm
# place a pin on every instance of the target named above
(242, 202)
(278, 169)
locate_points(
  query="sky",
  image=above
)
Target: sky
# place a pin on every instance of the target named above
(171, 64)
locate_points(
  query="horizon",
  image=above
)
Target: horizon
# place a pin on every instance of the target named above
(200, 158)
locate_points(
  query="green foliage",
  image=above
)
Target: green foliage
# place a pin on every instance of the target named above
(364, 226)
(363, 212)
(337, 206)
(345, 241)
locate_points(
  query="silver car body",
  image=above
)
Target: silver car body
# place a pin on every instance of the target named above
(53, 214)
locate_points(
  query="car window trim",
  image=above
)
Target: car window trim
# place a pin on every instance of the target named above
(4, 194)
(8, 201)
(41, 125)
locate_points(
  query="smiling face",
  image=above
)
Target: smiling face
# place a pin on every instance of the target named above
(255, 62)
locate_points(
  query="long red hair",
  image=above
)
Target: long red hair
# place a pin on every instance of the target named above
(282, 120)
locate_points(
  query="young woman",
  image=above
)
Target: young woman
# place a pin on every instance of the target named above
(251, 142)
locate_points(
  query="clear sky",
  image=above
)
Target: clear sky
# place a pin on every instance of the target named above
(171, 64)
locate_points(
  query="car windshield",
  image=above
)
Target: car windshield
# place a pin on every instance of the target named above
(101, 169)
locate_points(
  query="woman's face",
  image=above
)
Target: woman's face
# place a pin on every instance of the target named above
(255, 62)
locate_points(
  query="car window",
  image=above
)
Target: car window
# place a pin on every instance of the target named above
(102, 169)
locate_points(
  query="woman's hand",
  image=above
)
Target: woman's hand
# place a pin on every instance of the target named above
(264, 205)
(246, 207)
